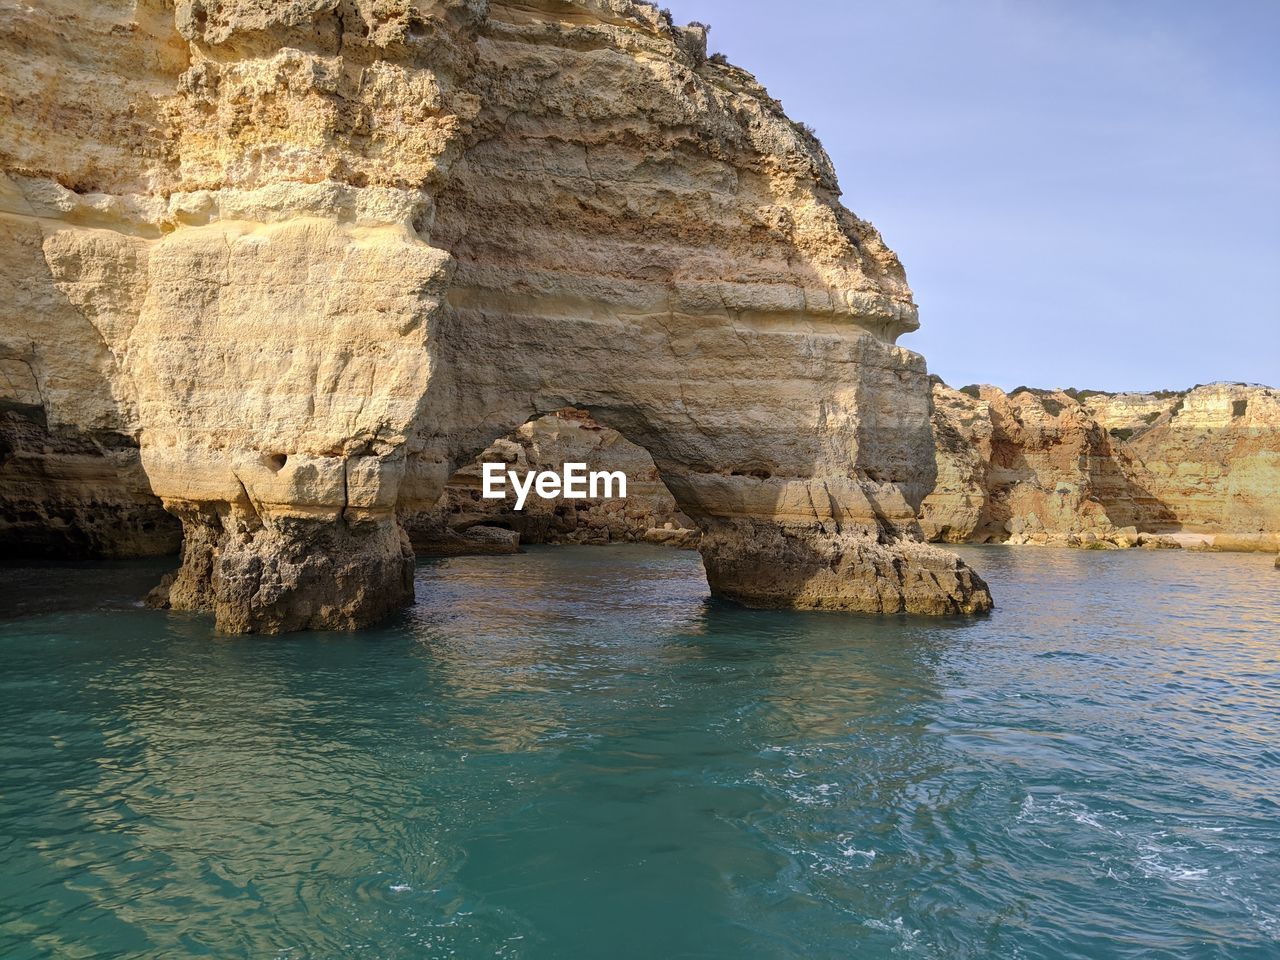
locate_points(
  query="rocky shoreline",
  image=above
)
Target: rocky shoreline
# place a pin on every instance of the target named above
(1196, 469)
(273, 276)
(308, 259)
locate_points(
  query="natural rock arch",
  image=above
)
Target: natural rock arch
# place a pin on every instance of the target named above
(365, 240)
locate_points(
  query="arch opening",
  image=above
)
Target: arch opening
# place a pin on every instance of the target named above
(464, 521)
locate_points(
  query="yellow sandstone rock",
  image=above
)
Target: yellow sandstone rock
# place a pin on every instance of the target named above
(1198, 469)
(314, 255)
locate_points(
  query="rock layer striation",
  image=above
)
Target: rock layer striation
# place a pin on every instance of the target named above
(312, 256)
(1197, 468)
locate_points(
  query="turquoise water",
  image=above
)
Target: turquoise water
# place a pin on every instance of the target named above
(573, 753)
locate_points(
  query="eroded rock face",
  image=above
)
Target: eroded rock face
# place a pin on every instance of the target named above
(1194, 468)
(1211, 461)
(314, 255)
(76, 495)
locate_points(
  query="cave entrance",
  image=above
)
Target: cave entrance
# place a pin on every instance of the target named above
(463, 521)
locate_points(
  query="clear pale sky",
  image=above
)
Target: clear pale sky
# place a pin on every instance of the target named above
(1084, 192)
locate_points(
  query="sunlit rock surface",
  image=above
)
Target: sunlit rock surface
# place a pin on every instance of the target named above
(1197, 468)
(313, 256)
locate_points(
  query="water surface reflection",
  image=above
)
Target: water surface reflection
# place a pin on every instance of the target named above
(576, 752)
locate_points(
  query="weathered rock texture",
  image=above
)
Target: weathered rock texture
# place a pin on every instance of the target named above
(1199, 468)
(314, 255)
(464, 522)
(74, 495)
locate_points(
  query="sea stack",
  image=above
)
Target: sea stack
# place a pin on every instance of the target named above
(297, 262)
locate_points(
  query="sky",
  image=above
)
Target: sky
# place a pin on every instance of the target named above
(1085, 193)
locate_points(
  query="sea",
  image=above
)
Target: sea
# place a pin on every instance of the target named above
(576, 752)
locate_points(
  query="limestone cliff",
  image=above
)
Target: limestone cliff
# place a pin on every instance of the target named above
(1195, 468)
(314, 255)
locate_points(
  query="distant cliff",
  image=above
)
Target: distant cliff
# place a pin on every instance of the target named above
(1198, 468)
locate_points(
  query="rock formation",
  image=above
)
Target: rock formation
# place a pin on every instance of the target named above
(1198, 468)
(72, 494)
(464, 522)
(314, 255)
(1038, 466)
